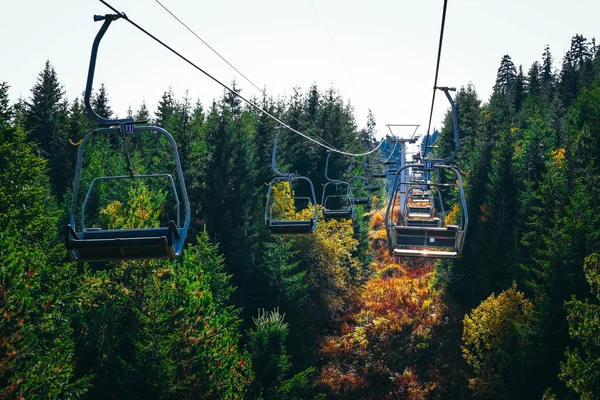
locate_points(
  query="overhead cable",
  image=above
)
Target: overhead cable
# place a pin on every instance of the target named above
(250, 103)
(437, 70)
(262, 91)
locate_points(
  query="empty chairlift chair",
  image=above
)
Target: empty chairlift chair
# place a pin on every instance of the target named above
(361, 195)
(337, 197)
(417, 231)
(374, 184)
(98, 244)
(392, 167)
(360, 191)
(433, 219)
(378, 171)
(281, 214)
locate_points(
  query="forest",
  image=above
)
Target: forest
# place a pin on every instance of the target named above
(245, 314)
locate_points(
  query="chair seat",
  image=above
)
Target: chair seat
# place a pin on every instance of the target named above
(418, 215)
(337, 214)
(425, 253)
(433, 222)
(292, 226)
(361, 200)
(100, 245)
(417, 209)
(425, 236)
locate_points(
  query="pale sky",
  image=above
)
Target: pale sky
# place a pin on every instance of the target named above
(388, 47)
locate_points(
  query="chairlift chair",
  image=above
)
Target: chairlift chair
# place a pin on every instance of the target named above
(378, 172)
(433, 219)
(393, 167)
(101, 245)
(373, 184)
(277, 223)
(361, 199)
(344, 205)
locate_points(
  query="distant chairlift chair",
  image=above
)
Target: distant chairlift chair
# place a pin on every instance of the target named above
(374, 184)
(433, 219)
(344, 206)
(365, 197)
(275, 223)
(97, 244)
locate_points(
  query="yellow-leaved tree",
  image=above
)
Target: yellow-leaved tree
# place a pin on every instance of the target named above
(497, 340)
(142, 209)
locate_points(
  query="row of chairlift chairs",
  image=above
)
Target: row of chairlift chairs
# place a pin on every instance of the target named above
(338, 200)
(415, 217)
(94, 244)
(414, 220)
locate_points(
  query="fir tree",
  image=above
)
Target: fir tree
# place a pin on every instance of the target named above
(547, 72)
(6, 112)
(534, 84)
(519, 89)
(507, 75)
(266, 346)
(45, 120)
(100, 103)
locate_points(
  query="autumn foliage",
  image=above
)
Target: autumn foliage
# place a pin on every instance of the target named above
(380, 340)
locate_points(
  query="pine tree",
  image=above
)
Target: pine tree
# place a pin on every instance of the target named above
(547, 73)
(37, 295)
(6, 112)
(41, 112)
(266, 346)
(534, 83)
(580, 370)
(142, 114)
(100, 103)
(519, 89)
(19, 112)
(283, 276)
(367, 134)
(166, 108)
(159, 329)
(507, 75)
(500, 228)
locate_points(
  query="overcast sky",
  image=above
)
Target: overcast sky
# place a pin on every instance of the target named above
(387, 48)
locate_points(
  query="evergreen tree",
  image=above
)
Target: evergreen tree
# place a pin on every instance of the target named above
(581, 370)
(166, 109)
(500, 227)
(367, 134)
(284, 278)
(100, 103)
(19, 112)
(37, 294)
(519, 89)
(156, 329)
(547, 72)
(142, 114)
(6, 112)
(41, 112)
(506, 76)
(45, 120)
(534, 83)
(266, 346)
